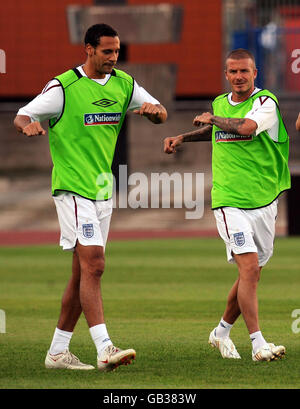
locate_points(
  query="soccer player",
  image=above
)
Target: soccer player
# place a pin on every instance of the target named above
(86, 107)
(250, 170)
(298, 123)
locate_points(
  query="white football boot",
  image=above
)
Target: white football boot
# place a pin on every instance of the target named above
(65, 360)
(269, 352)
(225, 345)
(112, 357)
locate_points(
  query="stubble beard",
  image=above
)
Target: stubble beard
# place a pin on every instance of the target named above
(241, 92)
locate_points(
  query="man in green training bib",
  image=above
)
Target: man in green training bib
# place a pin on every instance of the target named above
(86, 107)
(250, 170)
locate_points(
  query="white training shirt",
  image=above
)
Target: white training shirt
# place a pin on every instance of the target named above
(49, 104)
(263, 113)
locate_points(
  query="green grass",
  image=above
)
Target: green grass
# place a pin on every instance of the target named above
(161, 297)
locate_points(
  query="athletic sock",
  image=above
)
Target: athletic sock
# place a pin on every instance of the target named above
(257, 340)
(60, 342)
(100, 337)
(223, 329)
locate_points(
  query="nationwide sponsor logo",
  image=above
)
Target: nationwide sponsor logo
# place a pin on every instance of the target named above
(88, 230)
(239, 239)
(222, 136)
(104, 102)
(102, 118)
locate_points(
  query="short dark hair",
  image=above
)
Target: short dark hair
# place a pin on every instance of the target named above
(239, 54)
(93, 34)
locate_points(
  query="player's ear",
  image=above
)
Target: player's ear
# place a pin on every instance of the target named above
(225, 70)
(89, 50)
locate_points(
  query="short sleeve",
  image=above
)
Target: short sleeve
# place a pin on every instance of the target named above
(47, 105)
(139, 96)
(264, 113)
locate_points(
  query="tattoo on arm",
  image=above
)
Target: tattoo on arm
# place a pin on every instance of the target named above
(201, 134)
(232, 125)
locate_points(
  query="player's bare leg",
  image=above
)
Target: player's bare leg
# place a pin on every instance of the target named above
(71, 306)
(221, 340)
(232, 310)
(59, 356)
(92, 262)
(249, 274)
(92, 266)
(243, 289)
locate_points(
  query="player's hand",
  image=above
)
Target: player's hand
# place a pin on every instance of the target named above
(148, 109)
(204, 118)
(155, 112)
(171, 143)
(33, 129)
(298, 123)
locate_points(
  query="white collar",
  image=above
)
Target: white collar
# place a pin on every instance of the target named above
(229, 96)
(101, 81)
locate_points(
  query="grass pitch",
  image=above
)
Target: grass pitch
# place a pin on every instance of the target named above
(161, 297)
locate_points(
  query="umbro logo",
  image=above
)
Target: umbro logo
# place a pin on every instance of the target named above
(104, 102)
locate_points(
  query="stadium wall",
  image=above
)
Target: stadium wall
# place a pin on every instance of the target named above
(199, 53)
(34, 35)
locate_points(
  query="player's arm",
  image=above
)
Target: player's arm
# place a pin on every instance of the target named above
(201, 134)
(47, 105)
(144, 104)
(298, 123)
(24, 125)
(156, 113)
(240, 126)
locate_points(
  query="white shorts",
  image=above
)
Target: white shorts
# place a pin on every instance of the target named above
(82, 219)
(248, 231)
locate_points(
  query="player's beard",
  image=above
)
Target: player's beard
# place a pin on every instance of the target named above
(243, 91)
(105, 68)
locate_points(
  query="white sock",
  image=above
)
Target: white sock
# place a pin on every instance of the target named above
(60, 342)
(100, 337)
(223, 329)
(257, 340)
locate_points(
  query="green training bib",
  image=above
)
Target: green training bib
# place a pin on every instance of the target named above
(248, 171)
(83, 139)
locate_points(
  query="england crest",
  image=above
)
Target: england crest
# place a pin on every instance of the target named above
(239, 239)
(88, 230)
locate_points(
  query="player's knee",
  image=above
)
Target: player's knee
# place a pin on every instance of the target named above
(97, 267)
(94, 267)
(92, 261)
(250, 273)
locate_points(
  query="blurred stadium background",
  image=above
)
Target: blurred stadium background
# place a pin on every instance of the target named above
(175, 49)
